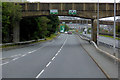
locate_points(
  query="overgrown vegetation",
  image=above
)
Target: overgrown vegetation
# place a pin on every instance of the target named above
(38, 27)
(30, 27)
(10, 14)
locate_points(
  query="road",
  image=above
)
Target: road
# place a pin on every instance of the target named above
(63, 57)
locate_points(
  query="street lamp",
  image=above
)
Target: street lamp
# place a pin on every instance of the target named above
(114, 26)
(98, 24)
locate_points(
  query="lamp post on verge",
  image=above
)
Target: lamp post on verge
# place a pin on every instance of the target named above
(114, 28)
(98, 23)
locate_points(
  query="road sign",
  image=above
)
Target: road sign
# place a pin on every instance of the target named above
(70, 23)
(53, 11)
(72, 12)
(62, 28)
(63, 22)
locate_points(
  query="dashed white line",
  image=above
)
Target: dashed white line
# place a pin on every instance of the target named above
(48, 64)
(56, 54)
(53, 58)
(16, 55)
(40, 73)
(15, 58)
(24, 55)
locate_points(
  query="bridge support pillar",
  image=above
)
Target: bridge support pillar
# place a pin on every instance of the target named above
(94, 30)
(16, 32)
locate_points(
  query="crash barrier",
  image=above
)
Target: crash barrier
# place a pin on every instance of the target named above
(95, 45)
(20, 43)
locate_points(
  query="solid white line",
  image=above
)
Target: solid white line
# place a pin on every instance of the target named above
(48, 64)
(40, 73)
(53, 58)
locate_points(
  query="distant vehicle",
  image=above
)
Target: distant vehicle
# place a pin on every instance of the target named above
(69, 32)
(65, 32)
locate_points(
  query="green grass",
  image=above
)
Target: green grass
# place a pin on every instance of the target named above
(51, 37)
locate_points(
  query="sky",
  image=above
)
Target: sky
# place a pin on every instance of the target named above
(105, 1)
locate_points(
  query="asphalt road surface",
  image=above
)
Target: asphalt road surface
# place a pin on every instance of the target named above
(63, 57)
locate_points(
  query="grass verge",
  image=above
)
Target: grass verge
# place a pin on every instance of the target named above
(48, 38)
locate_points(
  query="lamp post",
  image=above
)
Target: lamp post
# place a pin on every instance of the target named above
(98, 23)
(114, 26)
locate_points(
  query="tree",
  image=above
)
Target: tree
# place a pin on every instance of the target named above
(66, 28)
(53, 24)
(42, 26)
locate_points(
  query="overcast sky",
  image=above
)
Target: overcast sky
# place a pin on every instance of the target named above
(105, 1)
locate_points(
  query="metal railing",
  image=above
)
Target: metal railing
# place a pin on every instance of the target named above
(20, 43)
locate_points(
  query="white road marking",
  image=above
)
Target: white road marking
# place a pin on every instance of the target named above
(16, 55)
(24, 55)
(5, 63)
(40, 73)
(48, 64)
(53, 58)
(16, 58)
(56, 54)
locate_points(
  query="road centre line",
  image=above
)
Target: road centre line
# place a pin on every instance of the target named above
(40, 73)
(16, 58)
(48, 64)
(52, 59)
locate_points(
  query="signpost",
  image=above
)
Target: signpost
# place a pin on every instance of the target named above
(72, 12)
(53, 11)
(62, 28)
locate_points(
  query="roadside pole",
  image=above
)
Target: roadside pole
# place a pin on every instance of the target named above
(114, 28)
(98, 24)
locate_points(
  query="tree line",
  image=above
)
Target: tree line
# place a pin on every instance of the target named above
(38, 27)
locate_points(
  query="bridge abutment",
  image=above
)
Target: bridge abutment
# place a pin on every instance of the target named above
(16, 32)
(94, 30)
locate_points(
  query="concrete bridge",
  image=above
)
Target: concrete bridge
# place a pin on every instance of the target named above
(84, 10)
